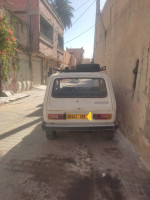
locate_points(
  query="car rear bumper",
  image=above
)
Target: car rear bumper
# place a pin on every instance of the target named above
(60, 127)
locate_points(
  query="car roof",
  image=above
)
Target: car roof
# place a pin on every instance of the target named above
(79, 74)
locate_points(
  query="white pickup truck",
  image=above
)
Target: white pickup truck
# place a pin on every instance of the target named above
(81, 100)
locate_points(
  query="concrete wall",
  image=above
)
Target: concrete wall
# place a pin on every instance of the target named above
(122, 43)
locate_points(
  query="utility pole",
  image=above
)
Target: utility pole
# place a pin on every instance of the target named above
(97, 8)
(96, 22)
(29, 25)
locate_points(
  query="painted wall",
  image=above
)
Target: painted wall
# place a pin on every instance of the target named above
(122, 43)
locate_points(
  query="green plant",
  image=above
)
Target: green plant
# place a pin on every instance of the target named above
(8, 48)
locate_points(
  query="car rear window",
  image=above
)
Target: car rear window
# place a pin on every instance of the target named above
(79, 88)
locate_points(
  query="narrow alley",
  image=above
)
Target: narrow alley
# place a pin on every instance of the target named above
(74, 166)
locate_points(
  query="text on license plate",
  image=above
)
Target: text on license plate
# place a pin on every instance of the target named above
(76, 116)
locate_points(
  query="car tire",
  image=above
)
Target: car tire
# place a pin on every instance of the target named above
(50, 135)
(109, 134)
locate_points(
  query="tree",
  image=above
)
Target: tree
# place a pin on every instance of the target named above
(64, 10)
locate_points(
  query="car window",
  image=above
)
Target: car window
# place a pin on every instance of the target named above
(79, 88)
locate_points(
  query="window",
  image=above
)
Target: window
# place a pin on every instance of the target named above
(46, 29)
(79, 88)
(60, 41)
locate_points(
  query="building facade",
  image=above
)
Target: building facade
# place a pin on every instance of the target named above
(45, 36)
(122, 43)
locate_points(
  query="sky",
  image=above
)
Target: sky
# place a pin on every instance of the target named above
(84, 23)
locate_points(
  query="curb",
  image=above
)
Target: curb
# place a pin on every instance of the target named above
(19, 98)
(13, 100)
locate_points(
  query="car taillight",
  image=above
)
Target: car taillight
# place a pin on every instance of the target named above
(102, 116)
(56, 116)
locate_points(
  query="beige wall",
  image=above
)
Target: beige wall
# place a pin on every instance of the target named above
(122, 38)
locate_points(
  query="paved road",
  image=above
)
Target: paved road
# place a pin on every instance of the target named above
(75, 166)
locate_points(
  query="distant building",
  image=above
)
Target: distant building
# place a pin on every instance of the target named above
(86, 61)
(69, 60)
(78, 54)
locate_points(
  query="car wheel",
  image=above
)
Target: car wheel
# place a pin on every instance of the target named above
(109, 134)
(50, 135)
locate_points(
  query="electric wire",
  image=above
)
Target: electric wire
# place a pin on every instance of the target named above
(81, 6)
(74, 23)
(79, 34)
(82, 14)
(76, 36)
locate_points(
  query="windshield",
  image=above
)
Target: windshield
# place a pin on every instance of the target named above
(79, 88)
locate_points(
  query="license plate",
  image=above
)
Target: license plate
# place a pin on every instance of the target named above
(76, 116)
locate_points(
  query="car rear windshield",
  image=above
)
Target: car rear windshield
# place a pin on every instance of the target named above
(79, 88)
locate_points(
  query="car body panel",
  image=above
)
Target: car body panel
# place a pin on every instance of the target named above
(105, 105)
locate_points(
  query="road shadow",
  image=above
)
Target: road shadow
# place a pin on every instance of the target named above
(40, 105)
(42, 169)
(16, 130)
(37, 113)
(63, 169)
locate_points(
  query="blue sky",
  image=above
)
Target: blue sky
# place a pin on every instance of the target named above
(85, 22)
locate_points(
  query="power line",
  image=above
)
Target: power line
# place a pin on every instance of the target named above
(83, 13)
(73, 24)
(75, 37)
(80, 34)
(81, 6)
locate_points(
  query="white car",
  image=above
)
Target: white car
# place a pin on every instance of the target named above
(79, 101)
